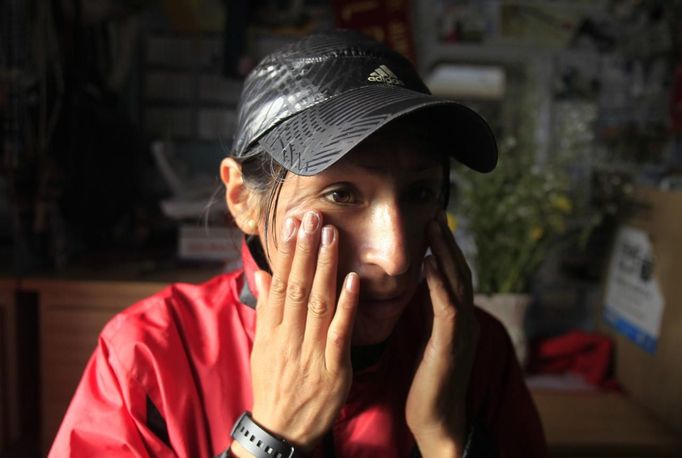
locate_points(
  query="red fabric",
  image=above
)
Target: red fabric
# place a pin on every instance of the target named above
(579, 352)
(187, 348)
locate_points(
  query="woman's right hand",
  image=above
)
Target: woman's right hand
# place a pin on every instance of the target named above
(300, 363)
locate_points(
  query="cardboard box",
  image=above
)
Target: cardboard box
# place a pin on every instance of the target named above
(654, 378)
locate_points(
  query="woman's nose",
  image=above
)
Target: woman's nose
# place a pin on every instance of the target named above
(386, 241)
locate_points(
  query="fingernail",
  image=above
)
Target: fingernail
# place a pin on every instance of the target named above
(327, 235)
(288, 229)
(352, 282)
(310, 222)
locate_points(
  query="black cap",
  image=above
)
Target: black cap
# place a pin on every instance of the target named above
(310, 103)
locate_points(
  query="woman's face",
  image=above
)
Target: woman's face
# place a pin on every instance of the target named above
(380, 197)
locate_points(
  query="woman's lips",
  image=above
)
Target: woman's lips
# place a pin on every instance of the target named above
(381, 298)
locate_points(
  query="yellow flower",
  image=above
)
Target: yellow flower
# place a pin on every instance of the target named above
(562, 203)
(536, 232)
(560, 226)
(452, 221)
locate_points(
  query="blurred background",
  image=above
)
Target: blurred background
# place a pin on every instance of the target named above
(115, 114)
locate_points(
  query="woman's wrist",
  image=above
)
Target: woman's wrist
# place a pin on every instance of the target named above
(260, 441)
(441, 442)
(236, 450)
(440, 448)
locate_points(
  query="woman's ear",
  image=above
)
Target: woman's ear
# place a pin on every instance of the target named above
(240, 199)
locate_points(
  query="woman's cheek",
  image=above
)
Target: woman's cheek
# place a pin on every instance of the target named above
(350, 230)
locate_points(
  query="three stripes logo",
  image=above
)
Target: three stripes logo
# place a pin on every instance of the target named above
(383, 74)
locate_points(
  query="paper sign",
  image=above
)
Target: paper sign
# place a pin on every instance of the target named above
(634, 303)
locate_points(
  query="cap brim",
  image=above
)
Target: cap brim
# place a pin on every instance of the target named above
(314, 139)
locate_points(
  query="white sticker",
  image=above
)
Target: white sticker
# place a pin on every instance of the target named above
(634, 303)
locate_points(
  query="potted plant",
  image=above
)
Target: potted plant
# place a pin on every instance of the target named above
(514, 216)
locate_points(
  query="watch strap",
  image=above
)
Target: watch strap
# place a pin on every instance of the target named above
(258, 441)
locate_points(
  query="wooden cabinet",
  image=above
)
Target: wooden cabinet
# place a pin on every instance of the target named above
(72, 314)
(8, 369)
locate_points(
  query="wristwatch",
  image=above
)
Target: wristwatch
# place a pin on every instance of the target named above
(260, 442)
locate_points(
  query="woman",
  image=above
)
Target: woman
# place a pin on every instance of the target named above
(337, 337)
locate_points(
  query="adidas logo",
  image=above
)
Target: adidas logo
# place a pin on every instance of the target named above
(383, 74)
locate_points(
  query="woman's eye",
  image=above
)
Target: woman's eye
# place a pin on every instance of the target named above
(341, 196)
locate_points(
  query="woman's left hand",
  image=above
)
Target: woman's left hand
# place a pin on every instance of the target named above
(436, 404)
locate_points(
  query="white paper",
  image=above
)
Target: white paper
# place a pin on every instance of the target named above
(634, 303)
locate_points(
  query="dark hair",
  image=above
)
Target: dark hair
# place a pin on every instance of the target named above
(265, 176)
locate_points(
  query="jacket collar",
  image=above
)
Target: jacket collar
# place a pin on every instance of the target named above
(248, 295)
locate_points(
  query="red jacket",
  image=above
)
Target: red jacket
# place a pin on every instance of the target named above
(170, 376)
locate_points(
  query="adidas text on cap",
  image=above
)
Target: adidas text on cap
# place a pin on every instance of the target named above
(308, 104)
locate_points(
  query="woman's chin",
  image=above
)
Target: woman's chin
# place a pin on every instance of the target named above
(362, 339)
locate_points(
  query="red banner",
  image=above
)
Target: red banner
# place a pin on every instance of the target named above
(387, 21)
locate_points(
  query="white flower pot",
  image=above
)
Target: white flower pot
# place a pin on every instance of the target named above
(510, 309)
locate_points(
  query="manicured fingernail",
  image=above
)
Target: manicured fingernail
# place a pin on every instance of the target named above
(352, 282)
(310, 222)
(327, 235)
(288, 229)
